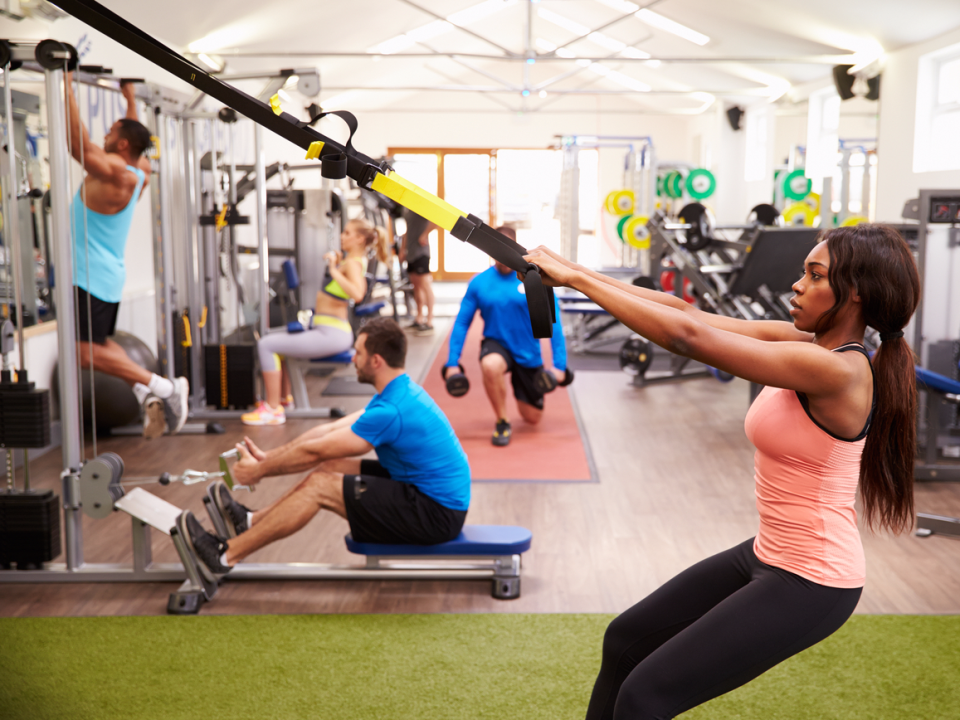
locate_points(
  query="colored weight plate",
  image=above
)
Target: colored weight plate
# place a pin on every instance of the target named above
(854, 220)
(608, 202)
(799, 213)
(673, 184)
(700, 184)
(659, 185)
(813, 200)
(623, 201)
(623, 221)
(796, 186)
(635, 232)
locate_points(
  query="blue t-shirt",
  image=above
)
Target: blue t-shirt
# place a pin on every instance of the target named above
(506, 319)
(415, 442)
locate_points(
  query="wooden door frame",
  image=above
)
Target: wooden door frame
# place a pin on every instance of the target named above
(442, 274)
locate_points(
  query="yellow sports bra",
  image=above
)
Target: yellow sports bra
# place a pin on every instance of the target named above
(332, 288)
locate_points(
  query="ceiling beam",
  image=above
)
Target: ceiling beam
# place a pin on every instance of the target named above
(505, 51)
(547, 57)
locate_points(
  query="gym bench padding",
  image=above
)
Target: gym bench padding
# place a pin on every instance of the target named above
(473, 540)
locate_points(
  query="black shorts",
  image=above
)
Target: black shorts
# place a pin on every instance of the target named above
(522, 379)
(381, 510)
(102, 314)
(419, 266)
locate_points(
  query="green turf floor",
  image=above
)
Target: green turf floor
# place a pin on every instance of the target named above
(364, 667)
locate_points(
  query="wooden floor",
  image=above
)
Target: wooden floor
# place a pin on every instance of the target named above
(675, 486)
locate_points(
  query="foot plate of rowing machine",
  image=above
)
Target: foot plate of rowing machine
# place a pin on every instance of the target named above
(506, 588)
(186, 602)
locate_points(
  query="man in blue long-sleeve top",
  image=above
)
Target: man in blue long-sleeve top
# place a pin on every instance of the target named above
(508, 344)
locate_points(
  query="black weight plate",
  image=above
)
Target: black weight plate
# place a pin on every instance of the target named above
(698, 236)
(764, 213)
(635, 356)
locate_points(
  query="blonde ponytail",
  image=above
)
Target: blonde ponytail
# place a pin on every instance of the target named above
(373, 236)
(383, 244)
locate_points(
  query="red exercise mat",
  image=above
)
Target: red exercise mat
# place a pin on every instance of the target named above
(553, 450)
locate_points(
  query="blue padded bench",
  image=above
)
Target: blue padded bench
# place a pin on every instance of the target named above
(297, 367)
(499, 547)
(935, 381)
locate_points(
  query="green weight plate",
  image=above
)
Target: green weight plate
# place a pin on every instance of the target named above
(620, 225)
(700, 184)
(796, 186)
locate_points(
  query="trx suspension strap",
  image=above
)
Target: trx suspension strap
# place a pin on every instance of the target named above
(337, 161)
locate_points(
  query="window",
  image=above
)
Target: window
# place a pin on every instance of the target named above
(937, 140)
(823, 121)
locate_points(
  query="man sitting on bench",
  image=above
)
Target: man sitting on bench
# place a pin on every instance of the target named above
(416, 492)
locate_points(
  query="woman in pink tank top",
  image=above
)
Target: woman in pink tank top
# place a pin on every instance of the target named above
(829, 422)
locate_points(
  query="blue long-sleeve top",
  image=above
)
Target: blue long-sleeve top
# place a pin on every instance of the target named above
(503, 307)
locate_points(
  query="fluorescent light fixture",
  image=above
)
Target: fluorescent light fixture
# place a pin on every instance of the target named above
(619, 78)
(607, 42)
(776, 90)
(561, 21)
(430, 31)
(666, 24)
(440, 27)
(632, 52)
(873, 53)
(604, 41)
(480, 11)
(211, 62)
(542, 93)
(620, 5)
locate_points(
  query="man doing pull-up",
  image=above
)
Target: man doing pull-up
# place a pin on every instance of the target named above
(100, 219)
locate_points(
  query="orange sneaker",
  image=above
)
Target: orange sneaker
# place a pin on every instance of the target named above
(264, 415)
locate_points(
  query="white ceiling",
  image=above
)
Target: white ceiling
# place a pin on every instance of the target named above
(756, 47)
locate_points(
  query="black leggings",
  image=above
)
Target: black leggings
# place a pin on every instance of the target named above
(712, 628)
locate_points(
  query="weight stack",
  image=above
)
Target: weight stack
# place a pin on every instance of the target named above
(24, 413)
(29, 528)
(230, 373)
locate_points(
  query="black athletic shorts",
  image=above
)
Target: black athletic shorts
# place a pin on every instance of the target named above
(522, 379)
(103, 315)
(381, 510)
(419, 266)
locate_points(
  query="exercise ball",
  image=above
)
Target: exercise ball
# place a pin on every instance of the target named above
(116, 405)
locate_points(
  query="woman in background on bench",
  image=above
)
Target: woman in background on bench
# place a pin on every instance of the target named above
(733, 616)
(330, 332)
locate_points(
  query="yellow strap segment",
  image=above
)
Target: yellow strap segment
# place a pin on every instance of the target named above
(187, 340)
(423, 203)
(203, 318)
(313, 151)
(275, 104)
(222, 219)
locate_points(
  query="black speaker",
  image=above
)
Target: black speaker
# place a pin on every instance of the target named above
(733, 115)
(843, 81)
(873, 88)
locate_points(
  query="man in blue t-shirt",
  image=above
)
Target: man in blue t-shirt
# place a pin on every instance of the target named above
(508, 345)
(416, 492)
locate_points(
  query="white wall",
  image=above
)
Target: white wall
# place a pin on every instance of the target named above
(896, 181)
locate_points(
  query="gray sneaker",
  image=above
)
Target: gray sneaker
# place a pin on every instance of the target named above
(233, 514)
(177, 405)
(154, 420)
(206, 547)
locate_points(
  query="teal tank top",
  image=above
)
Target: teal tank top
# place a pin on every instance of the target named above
(106, 241)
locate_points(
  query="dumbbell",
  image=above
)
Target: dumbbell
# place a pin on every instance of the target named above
(546, 382)
(457, 383)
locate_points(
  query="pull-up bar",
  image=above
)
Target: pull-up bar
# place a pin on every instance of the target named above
(343, 160)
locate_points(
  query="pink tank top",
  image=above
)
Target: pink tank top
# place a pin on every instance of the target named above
(806, 486)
